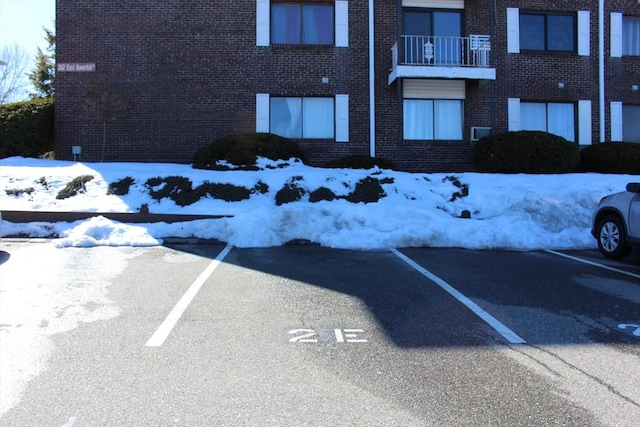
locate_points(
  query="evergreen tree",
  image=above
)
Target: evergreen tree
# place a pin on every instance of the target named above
(43, 75)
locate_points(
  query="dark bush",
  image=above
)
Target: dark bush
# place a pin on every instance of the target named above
(19, 191)
(261, 187)
(526, 152)
(242, 150)
(368, 190)
(226, 192)
(612, 157)
(361, 162)
(322, 193)
(121, 187)
(290, 192)
(26, 128)
(76, 186)
(173, 185)
(181, 191)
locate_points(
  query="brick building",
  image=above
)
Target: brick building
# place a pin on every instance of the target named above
(414, 81)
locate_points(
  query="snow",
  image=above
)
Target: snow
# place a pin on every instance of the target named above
(515, 212)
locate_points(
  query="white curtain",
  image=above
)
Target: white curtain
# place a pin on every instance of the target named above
(285, 117)
(533, 116)
(630, 36)
(318, 117)
(561, 120)
(294, 129)
(555, 118)
(448, 119)
(418, 119)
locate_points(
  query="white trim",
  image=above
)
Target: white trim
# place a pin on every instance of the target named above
(584, 123)
(263, 22)
(584, 28)
(513, 111)
(342, 23)
(513, 30)
(342, 118)
(616, 121)
(616, 35)
(262, 112)
(442, 4)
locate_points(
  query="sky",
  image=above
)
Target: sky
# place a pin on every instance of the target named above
(21, 23)
(514, 212)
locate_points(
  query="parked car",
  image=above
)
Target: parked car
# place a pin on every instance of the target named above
(616, 222)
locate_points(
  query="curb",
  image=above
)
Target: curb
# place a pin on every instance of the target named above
(44, 216)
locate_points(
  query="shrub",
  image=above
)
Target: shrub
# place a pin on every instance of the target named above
(242, 151)
(26, 128)
(322, 193)
(121, 187)
(226, 192)
(181, 191)
(173, 185)
(290, 192)
(261, 187)
(76, 186)
(361, 162)
(612, 157)
(19, 191)
(526, 152)
(368, 190)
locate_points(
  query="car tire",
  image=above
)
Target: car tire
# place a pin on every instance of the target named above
(612, 241)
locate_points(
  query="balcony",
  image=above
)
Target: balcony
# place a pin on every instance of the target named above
(432, 57)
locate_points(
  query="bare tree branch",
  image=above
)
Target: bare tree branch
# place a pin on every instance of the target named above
(13, 75)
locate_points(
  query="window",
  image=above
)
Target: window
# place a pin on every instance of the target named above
(432, 36)
(631, 123)
(432, 119)
(548, 32)
(631, 36)
(302, 117)
(302, 24)
(556, 118)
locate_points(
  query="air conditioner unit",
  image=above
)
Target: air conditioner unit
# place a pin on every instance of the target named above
(478, 132)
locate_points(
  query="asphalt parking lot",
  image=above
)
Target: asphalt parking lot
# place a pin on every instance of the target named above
(303, 335)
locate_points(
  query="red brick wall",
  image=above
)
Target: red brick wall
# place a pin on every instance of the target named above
(188, 73)
(179, 75)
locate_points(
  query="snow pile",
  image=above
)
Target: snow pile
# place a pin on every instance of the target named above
(517, 212)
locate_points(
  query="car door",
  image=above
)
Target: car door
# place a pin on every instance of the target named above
(634, 216)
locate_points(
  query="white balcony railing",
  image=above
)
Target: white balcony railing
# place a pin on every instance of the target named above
(472, 51)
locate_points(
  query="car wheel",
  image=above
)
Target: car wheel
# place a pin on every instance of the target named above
(611, 239)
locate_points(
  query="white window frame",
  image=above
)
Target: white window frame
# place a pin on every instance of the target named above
(436, 126)
(341, 23)
(583, 21)
(341, 115)
(584, 131)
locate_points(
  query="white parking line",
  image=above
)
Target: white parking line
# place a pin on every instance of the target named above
(163, 331)
(507, 333)
(606, 267)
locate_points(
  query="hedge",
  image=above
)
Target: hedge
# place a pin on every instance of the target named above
(26, 128)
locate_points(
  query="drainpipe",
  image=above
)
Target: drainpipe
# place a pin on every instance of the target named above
(372, 89)
(601, 67)
(492, 83)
